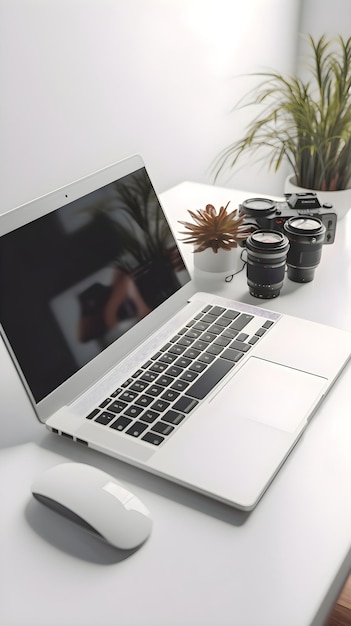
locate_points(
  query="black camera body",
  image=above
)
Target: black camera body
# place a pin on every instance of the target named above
(266, 214)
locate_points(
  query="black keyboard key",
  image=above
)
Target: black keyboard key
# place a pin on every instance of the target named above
(137, 373)
(133, 410)
(201, 325)
(93, 414)
(222, 341)
(190, 323)
(216, 329)
(105, 417)
(179, 385)
(165, 347)
(158, 367)
(136, 429)
(196, 366)
(177, 349)
(167, 357)
(182, 362)
(162, 428)
(173, 417)
(253, 340)
(208, 337)
(155, 390)
(170, 395)
(260, 332)
(209, 318)
(200, 345)
(215, 349)
(207, 308)
(231, 314)
(185, 404)
(153, 438)
(206, 357)
(121, 423)
(117, 406)
(149, 376)
(144, 400)
(174, 371)
(160, 405)
(240, 345)
(193, 334)
(241, 321)
(149, 416)
(191, 353)
(115, 393)
(175, 339)
(217, 310)
(156, 356)
(139, 385)
(127, 382)
(185, 341)
(128, 396)
(104, 403)
(188, 376)
(242, 337)
(146, 365)
(215, 372)
(267, 324)
(164, 380)
(230, 333)
(232, 355)
(223, 321)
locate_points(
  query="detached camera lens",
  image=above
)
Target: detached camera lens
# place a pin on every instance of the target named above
(266, 258)
(306, 236)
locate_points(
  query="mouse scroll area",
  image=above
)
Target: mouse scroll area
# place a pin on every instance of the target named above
(66, 512)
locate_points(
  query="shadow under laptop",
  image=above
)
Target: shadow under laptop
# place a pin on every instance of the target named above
(132, 475)
(68, 537)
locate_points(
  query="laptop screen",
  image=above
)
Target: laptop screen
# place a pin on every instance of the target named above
(75, 280)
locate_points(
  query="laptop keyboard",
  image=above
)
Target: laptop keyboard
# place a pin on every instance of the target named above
(156, 399)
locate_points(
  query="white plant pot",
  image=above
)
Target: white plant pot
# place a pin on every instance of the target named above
(218, 264)
(341, 200)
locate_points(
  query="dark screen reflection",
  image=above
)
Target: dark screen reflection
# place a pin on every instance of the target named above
(75, 280)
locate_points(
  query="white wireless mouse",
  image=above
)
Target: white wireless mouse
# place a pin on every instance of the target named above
(95, 501)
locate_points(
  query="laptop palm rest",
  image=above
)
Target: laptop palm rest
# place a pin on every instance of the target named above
(274, 394)
(249, 426)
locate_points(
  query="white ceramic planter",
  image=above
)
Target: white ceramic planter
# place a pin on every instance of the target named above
(341, 200)
(218, 265)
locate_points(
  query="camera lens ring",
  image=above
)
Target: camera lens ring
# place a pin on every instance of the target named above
(304, 225)
(258, 207)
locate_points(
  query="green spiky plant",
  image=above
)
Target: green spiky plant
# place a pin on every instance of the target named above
(307, 123)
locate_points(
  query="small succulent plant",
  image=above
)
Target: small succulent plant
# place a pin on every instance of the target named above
(215, 230)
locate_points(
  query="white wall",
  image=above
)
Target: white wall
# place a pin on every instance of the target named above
(87, 82)
(325, 16)
(318, 18)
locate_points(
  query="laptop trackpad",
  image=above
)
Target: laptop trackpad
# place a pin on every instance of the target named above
(274, 394)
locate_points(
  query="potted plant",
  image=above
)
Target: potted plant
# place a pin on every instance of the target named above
(306, 123)
(216, 237)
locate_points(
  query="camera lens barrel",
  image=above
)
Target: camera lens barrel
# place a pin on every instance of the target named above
(266, 259)
(306, 236)
(258, 207)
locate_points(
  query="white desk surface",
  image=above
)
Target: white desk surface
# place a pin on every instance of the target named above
(204, 564)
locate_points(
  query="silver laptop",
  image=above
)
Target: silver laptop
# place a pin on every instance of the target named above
(117, 352)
